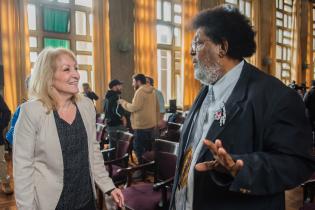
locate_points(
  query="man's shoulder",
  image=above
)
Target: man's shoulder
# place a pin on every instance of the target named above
(260, 79)
(140, 91)
(158, 92)
(264, 86)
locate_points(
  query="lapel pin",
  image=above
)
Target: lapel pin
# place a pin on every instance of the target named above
(220, 114)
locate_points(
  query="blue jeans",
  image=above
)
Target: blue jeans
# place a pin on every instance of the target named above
(143, 139)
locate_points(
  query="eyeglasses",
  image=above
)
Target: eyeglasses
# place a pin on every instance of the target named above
(197, 45)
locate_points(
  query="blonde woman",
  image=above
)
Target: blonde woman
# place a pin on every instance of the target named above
(56, 159)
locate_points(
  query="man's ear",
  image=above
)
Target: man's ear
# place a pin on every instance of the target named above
(223, 48)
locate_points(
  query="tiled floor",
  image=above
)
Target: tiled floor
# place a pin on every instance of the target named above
(293, 197)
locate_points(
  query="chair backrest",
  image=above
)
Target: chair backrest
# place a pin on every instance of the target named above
(165, 158)
(176, 118)
(100, 131)
(124, 145)
(174, 126)
(172, 132)
(100, 118)
(125, 135)
(308, 206)
(122, 148)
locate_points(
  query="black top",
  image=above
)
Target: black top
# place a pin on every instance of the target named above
(91, 95)
(77, 187)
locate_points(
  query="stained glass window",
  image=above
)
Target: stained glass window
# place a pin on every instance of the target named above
(50, 42)
(56, 20)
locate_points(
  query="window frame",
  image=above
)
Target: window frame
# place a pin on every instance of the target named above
(40, 33)
(283, 46)
(173, 48)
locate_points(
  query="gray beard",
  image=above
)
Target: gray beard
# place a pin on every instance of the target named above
(208, 74)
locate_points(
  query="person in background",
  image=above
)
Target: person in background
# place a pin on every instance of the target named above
(56, 158)
(5, 115)
(246, 138)
(9, 134)
(114, 113)
(293, 85)
(145, 115)
(88, 92)
(303, 88)
(309, 100)
(159, 95)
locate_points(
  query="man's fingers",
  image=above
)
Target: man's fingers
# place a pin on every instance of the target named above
(225, 158)
(227, 162)
(206, 166)
(218, 143)
(239, 165)
(211, 146)
(221, 157)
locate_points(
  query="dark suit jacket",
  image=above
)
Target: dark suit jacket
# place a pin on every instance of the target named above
(309, 100)
(267, 128)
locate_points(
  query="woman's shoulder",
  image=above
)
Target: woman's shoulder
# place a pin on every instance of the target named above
(83, 100)
(35, 107)
(32, 103)
(85, 103)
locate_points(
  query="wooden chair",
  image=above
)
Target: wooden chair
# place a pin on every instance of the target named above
(120, 160)
(151, 196)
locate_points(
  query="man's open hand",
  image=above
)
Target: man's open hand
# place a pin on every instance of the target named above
(222, 159)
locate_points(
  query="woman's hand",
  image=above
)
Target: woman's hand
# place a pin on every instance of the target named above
(118, 197)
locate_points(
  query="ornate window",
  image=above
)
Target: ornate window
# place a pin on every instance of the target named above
(284, 32)
(169, 43)
(63, 23)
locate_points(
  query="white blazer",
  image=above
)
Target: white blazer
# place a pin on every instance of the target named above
(37, 156)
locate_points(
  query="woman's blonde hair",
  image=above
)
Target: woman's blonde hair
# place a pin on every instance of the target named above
(40, 84)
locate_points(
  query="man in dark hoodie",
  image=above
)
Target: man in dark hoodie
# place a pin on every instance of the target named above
(114, 113)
